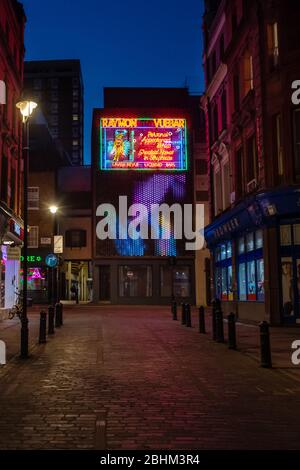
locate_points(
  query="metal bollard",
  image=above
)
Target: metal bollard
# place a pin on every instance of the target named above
(265, 347)
(50, 320)
(57, 319)
(61, 316)
(231, 331)
(188, 315)
(43, 327)
(174, 309)
(201, 320)
(183, 314)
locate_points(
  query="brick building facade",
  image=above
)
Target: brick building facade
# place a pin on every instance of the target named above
(251, 59)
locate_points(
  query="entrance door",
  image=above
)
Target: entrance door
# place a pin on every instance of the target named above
(104, 283)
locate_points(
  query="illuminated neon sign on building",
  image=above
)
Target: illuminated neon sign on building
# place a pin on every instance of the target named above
(143, 144)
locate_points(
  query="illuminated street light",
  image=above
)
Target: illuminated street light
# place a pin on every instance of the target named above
(53, 209)
(26, 108)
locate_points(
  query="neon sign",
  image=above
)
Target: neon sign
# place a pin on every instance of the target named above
(143, 144)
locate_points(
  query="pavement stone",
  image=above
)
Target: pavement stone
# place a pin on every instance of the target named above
(130, 377)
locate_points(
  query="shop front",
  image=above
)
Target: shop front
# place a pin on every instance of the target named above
(255, 251)
(146, 281)
(10, 252)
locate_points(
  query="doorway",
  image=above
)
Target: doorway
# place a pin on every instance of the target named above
(104, 283)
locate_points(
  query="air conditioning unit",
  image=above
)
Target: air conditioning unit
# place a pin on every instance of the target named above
(232, 197)
(251, 186)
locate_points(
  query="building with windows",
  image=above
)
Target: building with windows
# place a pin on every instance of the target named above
(142, 150)
(12, 24)
(57, 86)
(251, 60)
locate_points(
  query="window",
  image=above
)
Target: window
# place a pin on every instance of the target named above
(75, 93)
(201, 166)
(251, 160)
(247, 73)
(296, 119)
(273, 45)
(250, 267)
(236, 92)
(55, 132)
(223, 270)
(37, 84)
(224, 110)
(54, 83)
(33, 198)
(239, 176)
(75, 238)
(75, 106)
(75, 131)
(233, 22)
(75, 117)
(135, 281)
(226, 185)
(75, 143)
(218, 191)
(33, 237)
(53, 120)
(54, 107)
(278, 149)
(54, 96)
(75, 82)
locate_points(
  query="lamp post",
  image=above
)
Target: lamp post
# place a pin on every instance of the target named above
(55, 274)
(26, 108)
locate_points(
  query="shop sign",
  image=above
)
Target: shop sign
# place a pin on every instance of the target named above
(45, 240)
(58, 244)
(13, 253)
(32, 259)
(51, 260)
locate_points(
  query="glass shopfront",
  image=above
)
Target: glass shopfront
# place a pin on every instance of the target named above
(223, 271)
(290, 270)
(135, 281)
(250, 266)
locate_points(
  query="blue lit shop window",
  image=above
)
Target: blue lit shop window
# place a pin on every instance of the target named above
(223, 271)
(251, 267)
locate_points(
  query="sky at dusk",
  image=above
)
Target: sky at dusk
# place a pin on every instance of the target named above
(119, 43)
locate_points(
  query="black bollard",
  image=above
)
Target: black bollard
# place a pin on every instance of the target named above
(174, 309)
(231, 331)
(201, 320)
(61, 314)
(57, 319)
(50, 320)
(183, 314)
(188, 316)
(219, 327)
(43, 327)
(265, 347)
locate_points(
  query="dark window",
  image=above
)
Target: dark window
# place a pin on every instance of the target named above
(202, 195)
(224, 110)
(239, 178)
(208, 69)
(201, 166)
(75, 238)
(251, 159)
(236, 92)
(296, 117)
(4, 179)
(278, 149)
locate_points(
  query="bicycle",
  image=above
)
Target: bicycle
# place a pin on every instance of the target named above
(17, 309)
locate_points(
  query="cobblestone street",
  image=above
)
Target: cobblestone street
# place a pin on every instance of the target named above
(131, 378)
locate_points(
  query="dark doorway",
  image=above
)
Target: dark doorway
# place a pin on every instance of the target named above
(104, 283)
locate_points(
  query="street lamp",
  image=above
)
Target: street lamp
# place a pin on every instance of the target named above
(26, 108)
(55, 273)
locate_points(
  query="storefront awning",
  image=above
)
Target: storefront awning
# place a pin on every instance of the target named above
(262, 209)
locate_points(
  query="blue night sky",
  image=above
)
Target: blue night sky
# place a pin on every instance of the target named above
(119, 43)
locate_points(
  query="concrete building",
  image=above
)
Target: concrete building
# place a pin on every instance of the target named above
(251, 60)
(57, 86)
(12, 23)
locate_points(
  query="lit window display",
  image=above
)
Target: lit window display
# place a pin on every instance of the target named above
(251, 267)
(223, 271)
